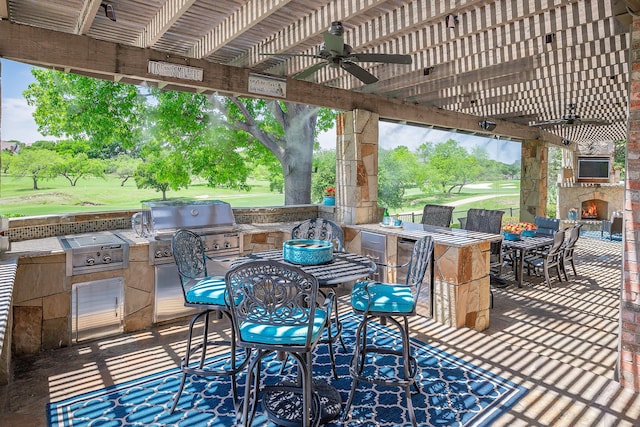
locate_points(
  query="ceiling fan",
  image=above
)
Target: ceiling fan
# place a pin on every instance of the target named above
(336, 53)
(571, 119)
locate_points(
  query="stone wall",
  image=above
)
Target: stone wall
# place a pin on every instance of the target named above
(40, 227)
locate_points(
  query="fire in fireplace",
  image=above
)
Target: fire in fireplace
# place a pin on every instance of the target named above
(591, 212)
(594, 209)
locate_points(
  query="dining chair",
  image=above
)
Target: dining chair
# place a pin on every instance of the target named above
(206, 293)
(551, 258)
(546, 227)
(389, 301)
(324, 229)
(273, 305)
(568, 248)
(439, 215)
(488, 221)
(613, 226)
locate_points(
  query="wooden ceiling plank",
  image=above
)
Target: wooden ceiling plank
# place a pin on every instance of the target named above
(242, 20)
(168, 14)
(87, 15)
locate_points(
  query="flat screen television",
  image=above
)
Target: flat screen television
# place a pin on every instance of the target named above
(593, 168)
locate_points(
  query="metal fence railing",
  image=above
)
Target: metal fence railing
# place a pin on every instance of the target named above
(457, 215)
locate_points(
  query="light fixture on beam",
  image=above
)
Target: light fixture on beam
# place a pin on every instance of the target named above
(109, 11)
(451, 21)
(487, 125)
(566, 142)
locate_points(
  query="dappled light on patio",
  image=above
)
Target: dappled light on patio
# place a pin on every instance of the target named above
(558, 343)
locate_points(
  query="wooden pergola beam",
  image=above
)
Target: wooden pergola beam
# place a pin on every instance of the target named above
(84, 55)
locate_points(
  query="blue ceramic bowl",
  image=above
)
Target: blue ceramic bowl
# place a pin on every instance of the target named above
(307, 251)
(511, 236)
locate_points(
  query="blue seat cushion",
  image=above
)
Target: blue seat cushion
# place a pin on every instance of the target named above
(283, 334)
(385, 297)
(209, 290)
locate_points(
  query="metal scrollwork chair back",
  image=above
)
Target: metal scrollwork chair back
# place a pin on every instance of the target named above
(208, 294)
(395, 303)
(274, 309)
(319, 229)
(324, 229)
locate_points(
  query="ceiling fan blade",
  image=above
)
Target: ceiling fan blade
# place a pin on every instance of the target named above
(554, 122)
(303, 55)
(333, 43)
(359, 72)
(594, 122)
(309, 71)
(381, 57)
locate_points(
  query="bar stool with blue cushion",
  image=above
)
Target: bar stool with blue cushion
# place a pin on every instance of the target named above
(389, 301)
(324, 229)
(207, 293)
(274, 309)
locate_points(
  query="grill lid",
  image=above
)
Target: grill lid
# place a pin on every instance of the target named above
(204, 216)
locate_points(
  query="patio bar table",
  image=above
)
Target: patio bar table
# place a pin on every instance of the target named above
(344, 267)
(521, 248)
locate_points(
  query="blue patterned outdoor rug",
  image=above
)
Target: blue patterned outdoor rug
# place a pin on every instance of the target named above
(453, 393)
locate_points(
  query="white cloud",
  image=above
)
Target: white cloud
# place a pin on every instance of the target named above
(17, 121)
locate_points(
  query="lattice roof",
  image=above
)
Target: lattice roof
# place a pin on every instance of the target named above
(521, 61)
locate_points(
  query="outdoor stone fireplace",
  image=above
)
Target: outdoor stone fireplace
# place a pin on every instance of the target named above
(593, 201)
(590, 184)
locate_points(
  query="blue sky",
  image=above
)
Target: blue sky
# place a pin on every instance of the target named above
(18, 124)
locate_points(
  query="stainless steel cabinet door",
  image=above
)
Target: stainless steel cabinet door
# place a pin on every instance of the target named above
(97, 309)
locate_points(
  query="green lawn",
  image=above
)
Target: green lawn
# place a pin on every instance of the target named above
(17, 198)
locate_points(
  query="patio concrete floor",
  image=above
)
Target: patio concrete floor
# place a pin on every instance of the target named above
(559, 343)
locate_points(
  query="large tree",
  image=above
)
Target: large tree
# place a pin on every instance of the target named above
(216, 138)
(36, 163)
(106, 114)
(448, 165)
(288, 131)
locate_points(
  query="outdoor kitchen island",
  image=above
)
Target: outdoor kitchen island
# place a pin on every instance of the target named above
(461, 290)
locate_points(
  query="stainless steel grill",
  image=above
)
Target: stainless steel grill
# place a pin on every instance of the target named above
(212, 220)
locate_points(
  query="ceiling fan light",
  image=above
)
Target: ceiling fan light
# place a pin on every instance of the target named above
(451, 21)
(109, 11)
(487, 125)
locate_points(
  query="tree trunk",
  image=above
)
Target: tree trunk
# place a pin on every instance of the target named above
(297, 162)
(35, 183)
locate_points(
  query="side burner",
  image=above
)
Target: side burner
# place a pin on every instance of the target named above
(93, 252)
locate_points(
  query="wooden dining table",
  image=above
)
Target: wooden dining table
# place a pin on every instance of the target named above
(344, 267)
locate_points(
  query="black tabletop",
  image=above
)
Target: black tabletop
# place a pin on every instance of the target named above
(344, 267)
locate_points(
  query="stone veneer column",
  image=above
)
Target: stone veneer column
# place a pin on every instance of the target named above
(357, 167)
(533, 180)
(629, 345)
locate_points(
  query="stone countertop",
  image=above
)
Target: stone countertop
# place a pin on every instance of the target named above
(444, 235)
(52, 245)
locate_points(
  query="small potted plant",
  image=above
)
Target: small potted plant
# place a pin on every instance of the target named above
(329, 196)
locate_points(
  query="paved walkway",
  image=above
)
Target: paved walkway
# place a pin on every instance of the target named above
(560, 343)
